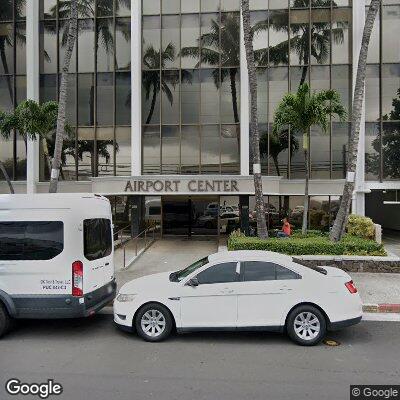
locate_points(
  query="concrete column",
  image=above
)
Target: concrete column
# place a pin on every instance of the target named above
(136, 85)
(358, 28)
(244, 107)
(137, 209)
(32, 88)
(244, 214)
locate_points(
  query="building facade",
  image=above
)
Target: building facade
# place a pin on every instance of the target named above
(159, 100)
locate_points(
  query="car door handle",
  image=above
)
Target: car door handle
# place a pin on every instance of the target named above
(227, 291)
(285, 288)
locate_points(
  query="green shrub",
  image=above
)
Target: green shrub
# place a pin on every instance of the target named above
(361, 227)
(316, 245)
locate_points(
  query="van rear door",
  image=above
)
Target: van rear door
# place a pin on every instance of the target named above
(98, 268)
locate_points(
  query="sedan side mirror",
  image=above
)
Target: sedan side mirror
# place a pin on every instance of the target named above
(193, 282)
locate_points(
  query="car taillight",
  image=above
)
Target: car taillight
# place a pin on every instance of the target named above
(351, 287)
(77, 279)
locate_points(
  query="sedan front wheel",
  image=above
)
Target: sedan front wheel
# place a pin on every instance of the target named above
(306, 325)
(153, 322)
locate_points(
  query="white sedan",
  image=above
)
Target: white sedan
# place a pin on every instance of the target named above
(240, 290)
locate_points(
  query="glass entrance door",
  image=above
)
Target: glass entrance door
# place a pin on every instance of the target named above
(190, 215)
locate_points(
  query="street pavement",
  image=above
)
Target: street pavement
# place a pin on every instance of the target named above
(93, 360)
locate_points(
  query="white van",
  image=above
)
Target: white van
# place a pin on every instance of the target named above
(56, 256)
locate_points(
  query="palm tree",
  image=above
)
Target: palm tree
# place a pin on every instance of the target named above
(72, 32)
(342, 216)
(221, 46)
(31, 120)
(300, 111)
(254, 133)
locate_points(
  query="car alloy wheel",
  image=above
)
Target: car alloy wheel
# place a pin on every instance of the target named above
(153, 323)
(307, 326)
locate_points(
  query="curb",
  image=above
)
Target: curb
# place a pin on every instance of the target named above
(382, 308)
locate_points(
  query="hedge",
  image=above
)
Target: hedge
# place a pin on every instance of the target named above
(314, 245)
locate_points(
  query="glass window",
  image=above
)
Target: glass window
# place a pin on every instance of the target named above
(391, 33)
(258, 271)
(105, 96)
(170, 41)
(179, 275)
(7, 44)
(284, 274)
(371, 90)
(210, 149)
(170, 97)
(105, 45)
(97, 238)
(86, 99)
(190, 96)
(31, 240)
(123, 150)
(230, 95)
(220, 273)
(341, 38)
(123, 98)
(210, 98)
(151, 150)
(85, 45)
(190, 32)
(279, 37)
(48, 47)
(123, 44)
(170, 150)
(190, 150)
(372, 151)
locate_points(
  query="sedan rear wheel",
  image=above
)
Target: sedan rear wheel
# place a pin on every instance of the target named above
(153, 322)
(5, 321)
(306, 325)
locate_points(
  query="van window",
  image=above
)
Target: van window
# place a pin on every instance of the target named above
(31, 240)
(97, 238)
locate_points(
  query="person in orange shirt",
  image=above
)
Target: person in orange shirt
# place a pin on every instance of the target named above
(286, 231)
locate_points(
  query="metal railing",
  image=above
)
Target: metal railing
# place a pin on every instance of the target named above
(140, 242)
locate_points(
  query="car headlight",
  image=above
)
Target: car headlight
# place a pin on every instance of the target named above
(125, 298)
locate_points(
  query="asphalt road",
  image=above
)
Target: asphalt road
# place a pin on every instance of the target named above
(92, 360)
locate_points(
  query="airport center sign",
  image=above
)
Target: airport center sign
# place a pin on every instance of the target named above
(208, 184)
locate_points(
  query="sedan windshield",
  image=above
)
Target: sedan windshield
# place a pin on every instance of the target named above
(179, 275)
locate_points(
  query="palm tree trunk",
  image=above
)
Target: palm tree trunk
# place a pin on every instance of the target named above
(7, 177)
(339, 226)
(306, 191)
(232, 75)
(276, 163)
(255, 136)
(72, 32)
(153, 105)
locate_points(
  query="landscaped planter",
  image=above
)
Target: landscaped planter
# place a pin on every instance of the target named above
(353, 263)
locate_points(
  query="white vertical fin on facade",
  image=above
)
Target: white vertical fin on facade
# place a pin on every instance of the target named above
(358, 29)
(136, 84)
(244, 106)
(32, 87)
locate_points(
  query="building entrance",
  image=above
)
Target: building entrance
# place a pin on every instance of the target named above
(190, 215)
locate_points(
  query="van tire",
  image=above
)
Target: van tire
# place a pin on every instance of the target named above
(160, 313)
(5, 321)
